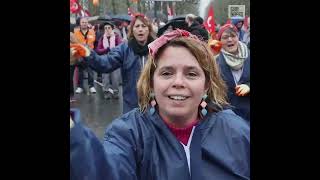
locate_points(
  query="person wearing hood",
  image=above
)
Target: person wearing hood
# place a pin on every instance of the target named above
(130, 56)
(238, 22)
(194, 27)
(234, 63)
(246, 36)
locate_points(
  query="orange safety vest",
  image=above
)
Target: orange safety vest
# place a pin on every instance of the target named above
(87, 38)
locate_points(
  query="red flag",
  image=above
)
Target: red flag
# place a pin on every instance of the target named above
(87, 13)
(130, 12)
(84, 13)
(75, 7)
(209, 24)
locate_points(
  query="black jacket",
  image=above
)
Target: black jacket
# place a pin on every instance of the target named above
(198, 30)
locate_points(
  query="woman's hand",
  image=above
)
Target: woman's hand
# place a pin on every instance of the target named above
(242, 90)
(215, 45)
(77, 51)
(71, 123)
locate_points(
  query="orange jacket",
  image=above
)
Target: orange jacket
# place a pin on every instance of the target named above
(88, 40)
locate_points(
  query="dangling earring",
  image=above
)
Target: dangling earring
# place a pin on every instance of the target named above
(153, 103)
(203, 105)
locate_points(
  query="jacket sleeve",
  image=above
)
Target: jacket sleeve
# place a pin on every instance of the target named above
(91, 159)
(100, 49)
(121, 148)
(118, 39)
(243, 146)
(238, 141)
(247, 71)
(87, 155)
(108, 62)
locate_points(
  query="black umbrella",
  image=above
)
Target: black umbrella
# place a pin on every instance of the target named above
(99, 19)
(121, 17)
(177, 18)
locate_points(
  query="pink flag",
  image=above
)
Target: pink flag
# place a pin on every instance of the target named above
(130, 12)
(228, 21)
(170, 13)
(75, 7)
(245, 24)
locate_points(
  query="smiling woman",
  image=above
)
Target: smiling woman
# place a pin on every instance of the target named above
(178, 87)
(181, 130)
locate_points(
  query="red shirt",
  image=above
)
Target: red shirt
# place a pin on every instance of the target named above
(182, 134)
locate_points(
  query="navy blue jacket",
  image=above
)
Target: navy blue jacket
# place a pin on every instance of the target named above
(122, 56)
(240, 104)
(241, 34)
(139, 146)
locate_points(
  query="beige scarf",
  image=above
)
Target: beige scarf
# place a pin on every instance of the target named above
(236, 61)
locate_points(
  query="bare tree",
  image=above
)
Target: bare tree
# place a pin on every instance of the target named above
(153, 8)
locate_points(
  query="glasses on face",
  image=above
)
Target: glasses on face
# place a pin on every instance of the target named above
(108, 27)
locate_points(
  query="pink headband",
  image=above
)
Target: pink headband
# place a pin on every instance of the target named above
(135, 16)
(165, 38)
(225, 27)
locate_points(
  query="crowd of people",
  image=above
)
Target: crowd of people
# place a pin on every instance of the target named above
(99, 38)
(186, 101)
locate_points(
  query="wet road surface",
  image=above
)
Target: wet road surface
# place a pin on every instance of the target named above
(96, 111)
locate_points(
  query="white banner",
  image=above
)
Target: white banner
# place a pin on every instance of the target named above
(236, 10)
